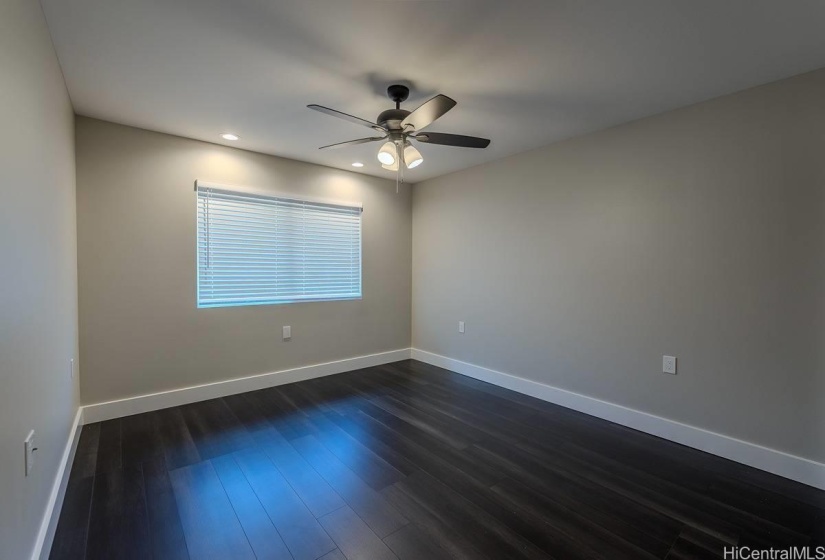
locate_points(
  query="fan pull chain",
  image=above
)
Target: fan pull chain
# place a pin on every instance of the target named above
(399, 177)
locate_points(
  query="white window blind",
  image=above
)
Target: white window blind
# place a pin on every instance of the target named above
(256, 250)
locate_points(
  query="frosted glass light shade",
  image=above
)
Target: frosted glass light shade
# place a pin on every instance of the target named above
(387, 154)
(412, 157)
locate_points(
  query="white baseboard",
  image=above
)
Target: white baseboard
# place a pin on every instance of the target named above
(43, 544)
(156, 401)
(770, 460)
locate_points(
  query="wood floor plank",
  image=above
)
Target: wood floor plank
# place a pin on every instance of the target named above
(85, 458)
(694, 508)
(790, 489)
(261, 407)
(365, 462)
(431, 423)
(787, 512)
(289, 419)
(356, 383)
(109, 447)
(495, 406)
(165, 529)
(469, 413)
(214, 429)
(213, 531)
(337, 397)
(337, 416)
(315, 492)
(572, 535)
(410, 543)
(643, 452)
(418, 446)
(646, 528)
(319, 497)
(686, 550)
(397, 374)
(118, 523)
(73, 526)
(373, 469)
(334, 555)
(710, 546)
(437, 529)
(353, 537)
(179, 448)
(495, 538)
(448, 378)
(529, 526)
(376, 512)
(300, 530)
(818, 532)
(140, 438)
(264, 538)
(248, 408)
(302, 400)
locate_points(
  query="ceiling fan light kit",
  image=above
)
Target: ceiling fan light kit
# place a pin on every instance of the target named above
(398, 126)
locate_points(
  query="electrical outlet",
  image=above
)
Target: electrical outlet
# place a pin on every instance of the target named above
(71, 368)
(461, 327)
(669, 364)
(287, 332)
(30, 449)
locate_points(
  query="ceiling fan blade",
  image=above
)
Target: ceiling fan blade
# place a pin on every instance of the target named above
(345, 116)
(427, 113)
(353, 142)
(452, 140)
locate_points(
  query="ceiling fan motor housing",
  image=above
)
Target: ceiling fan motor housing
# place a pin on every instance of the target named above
(391, 118)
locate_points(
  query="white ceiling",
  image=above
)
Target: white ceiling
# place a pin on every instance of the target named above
(524, 73)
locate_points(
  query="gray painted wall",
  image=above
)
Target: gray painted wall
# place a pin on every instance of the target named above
(140, 331)
(38, 274)
(697, 233)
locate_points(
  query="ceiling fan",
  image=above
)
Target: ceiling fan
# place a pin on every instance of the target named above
(398, 126)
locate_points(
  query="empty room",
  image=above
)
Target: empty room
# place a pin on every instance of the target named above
(412, 279)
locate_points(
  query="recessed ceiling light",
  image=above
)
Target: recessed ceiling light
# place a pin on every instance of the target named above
(357, 164)
(229, 136)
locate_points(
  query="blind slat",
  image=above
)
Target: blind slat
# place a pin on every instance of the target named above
(255, 250)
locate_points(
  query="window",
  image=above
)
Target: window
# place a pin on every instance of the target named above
(257, 250)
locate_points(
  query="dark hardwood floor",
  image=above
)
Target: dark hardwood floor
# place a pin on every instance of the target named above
(410, 461)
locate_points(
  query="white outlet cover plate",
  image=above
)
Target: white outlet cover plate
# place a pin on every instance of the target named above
(287, 332)
(461, 326)
(669, 364)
